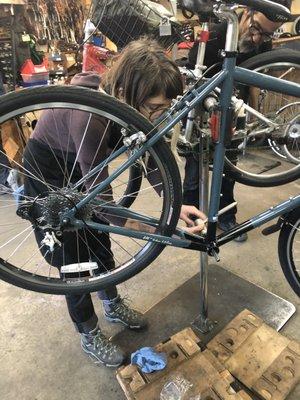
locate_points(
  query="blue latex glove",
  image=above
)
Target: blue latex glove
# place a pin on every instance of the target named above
(149, 360)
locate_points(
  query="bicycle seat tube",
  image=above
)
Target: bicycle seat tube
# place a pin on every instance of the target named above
(227, 13)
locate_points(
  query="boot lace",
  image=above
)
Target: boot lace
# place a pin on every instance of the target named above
(102, 344)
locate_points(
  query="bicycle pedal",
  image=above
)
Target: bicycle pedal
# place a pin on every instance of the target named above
(269, 230)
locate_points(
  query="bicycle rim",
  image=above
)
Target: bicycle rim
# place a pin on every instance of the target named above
(47, 163)
(291, 149)
(289, 250)
(261, 156)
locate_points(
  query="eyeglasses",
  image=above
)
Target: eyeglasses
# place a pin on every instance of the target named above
(151, 113)
(256, 29)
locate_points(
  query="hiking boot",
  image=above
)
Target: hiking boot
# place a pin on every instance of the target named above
(101, 350)
(119, 311)
(226, 226)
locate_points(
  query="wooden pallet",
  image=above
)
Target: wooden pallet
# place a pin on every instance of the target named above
(209, 378)
(262, 359)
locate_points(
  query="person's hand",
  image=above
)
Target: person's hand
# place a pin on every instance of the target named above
(190, 211)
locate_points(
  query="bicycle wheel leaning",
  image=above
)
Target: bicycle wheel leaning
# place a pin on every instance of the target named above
(289, 250)
(263, 155)
(27, 258)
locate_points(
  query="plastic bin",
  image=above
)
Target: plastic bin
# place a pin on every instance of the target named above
(29, 68)
(34, 73)
(35, 78)
(37, 83)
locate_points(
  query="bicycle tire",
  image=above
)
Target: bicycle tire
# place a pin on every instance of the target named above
(286, 242)
(293, 131)
(17, 103)
(278, 56)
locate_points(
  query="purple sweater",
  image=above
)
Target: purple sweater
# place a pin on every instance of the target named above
(75, 133)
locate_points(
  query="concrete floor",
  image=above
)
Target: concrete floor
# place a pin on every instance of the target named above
(40, 352)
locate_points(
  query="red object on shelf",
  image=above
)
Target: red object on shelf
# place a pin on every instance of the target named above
(29, 68)
(185, 45)
(32, 73)
(93, 57)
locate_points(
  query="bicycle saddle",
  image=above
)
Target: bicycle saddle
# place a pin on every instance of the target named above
(273, 11)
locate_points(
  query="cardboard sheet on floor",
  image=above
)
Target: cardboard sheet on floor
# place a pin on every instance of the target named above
(190, 374)
(257, 355)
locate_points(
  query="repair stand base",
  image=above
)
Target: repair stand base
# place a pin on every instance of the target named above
(228, 296)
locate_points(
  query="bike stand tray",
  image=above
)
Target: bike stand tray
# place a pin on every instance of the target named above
(228, 295)
(247, 351)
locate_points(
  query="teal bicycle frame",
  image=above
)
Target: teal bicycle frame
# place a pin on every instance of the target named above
(225, 80)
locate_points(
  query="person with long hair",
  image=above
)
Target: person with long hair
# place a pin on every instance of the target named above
(145, 78)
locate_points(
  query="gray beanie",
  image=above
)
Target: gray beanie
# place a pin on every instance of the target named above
(88, 79)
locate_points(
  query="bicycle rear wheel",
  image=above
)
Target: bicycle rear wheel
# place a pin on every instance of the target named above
(262, 156)
(289, 250)
(29, 258)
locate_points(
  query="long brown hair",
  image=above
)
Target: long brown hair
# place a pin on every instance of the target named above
(142, 70)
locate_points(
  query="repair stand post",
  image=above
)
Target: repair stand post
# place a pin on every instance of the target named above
(202, 322)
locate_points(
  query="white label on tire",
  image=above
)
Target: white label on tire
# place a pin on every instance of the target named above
(170, 215)
(78, 267)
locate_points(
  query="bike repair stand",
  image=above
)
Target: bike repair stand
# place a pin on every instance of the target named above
(202, 322)
(228, 293)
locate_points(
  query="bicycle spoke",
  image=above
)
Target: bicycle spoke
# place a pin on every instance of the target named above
(15, 237)
(57, 169)
(20, 245)
(79, 149)
(91, 251)
(36, 168)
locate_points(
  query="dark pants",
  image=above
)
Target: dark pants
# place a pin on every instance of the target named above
(191, 189)
(84, 245)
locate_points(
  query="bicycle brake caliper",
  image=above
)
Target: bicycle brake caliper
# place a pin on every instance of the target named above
(136, 139)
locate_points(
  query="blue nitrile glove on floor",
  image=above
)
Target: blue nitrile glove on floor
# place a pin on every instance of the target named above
(149, 360)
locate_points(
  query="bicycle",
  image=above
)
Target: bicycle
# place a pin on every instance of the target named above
(144, 238)
(281, 63)
(272, 122)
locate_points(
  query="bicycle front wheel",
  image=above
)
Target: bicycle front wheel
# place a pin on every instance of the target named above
(289, 250)
(48, 166)
(265, 155)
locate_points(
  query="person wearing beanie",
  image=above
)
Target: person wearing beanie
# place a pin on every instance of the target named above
(255, 37)
(87, 79)
(144, 77)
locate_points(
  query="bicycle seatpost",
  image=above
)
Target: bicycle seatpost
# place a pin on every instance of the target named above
(203, 38)
(227, 13)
